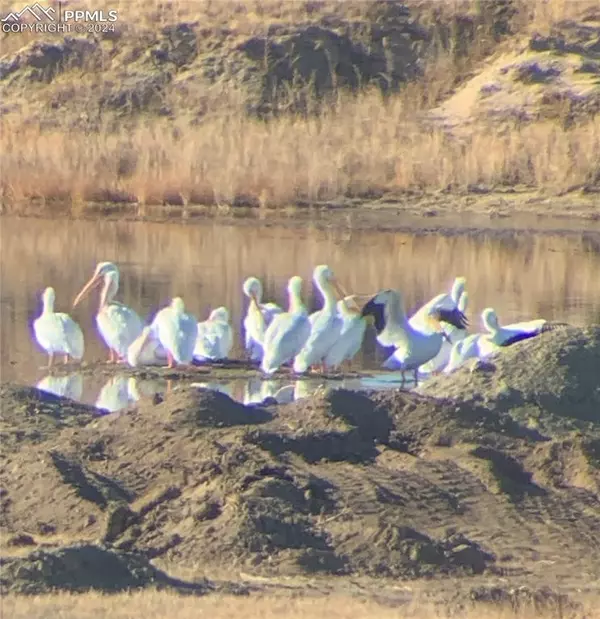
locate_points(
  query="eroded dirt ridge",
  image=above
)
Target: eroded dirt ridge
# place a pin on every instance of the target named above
(392, 484)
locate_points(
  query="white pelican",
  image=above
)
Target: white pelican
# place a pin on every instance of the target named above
(118, 324)
(326, 327)
(215, 336)
(254, 325)
(413, 347)
(496, 337)
(177, 331)
(351, 334)
(146, 349)
(421, 318)
(57, 332)
(453, 336)
(288, 331)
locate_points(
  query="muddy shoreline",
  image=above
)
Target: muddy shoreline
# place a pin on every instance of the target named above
(498, 215)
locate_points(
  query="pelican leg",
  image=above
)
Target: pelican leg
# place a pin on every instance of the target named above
(50, 359)
(170, 360)
(66, 359)
(111, 356)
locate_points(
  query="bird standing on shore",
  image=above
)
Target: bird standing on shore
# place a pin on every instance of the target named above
(258, 317)
(327, 325)
(351, 334)
(414, 347)
(177, 331)
(118, 324)
(57, 332)
(288, 331)
(495, 338)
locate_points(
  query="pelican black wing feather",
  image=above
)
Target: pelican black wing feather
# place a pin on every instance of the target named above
(453, 317)
(377, 310)
(527, 335)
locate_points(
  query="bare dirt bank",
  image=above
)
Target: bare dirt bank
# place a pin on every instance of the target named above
(399, 486)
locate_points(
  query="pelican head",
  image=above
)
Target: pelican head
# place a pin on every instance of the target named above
(106, 272)
(376, 307)
(220, 314)
(295, 285)
(177, 305)
(458, 288)
(324, 279)
(48, 297)
(253, 289)
(489, 318)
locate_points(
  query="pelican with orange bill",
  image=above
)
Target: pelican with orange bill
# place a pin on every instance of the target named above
(117, 323)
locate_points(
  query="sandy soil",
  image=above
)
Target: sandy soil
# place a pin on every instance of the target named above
(485, 486)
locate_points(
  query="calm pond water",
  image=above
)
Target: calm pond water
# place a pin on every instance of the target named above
(522, 275)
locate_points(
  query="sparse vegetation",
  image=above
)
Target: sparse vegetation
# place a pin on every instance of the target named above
(131, 606)
(190, 103)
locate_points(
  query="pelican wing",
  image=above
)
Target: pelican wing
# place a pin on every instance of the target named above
(348, 343)
(255, 328)
(73, 335)
(214, 340)
(177, 333)
(59, 333)
(284, 339)
(325, 331)
(452, 316)
(146, 349)
(119, 326)
(517, 332)
(462, 351)
(420, 319)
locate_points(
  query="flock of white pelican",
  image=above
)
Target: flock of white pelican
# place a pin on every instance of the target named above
(434, 339)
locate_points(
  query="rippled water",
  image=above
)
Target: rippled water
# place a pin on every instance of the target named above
(521, 275)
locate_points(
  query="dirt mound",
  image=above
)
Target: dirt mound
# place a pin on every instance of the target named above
(30, 415)
(384, 484)
(81, 568)
(549, 382)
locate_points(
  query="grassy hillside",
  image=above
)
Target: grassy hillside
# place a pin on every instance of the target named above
(270, 103)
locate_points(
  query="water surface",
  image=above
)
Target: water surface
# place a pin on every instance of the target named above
(522, 275)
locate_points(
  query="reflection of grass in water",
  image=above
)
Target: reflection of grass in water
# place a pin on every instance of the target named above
(288, 603)
(555, 277)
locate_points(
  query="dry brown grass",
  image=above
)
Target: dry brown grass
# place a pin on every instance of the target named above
(354, 146)
(152, 604)
(362, 145)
